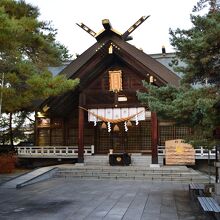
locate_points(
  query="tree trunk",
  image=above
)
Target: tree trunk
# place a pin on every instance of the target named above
(11, 130)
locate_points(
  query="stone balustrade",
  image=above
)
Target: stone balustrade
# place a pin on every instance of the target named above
(200, 152)
(52, 151)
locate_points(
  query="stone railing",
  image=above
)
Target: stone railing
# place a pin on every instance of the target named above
(52, 151)
(200, 152)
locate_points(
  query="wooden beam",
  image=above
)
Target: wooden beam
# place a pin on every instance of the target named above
(81, 134)
(134, 26)
(154, 137)
(106, 24)
(138, 67)
(91, 75)
(64, 132)
(87, 29)
(60, 103)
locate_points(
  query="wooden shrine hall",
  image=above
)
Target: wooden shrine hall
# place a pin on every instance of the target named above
(104, 110)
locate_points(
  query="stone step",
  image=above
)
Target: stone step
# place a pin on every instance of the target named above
(95, 163)
(146, 170)
(141, 160)
(152, 177)
(129, 173)
(136, 163)
(96, 159)
(147, 178)
(101, 160)
(136, 160)
(178, 174)
(134, 172)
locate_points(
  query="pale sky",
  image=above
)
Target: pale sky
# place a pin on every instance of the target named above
(150, 36)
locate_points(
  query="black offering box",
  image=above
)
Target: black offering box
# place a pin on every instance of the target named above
(119, 159)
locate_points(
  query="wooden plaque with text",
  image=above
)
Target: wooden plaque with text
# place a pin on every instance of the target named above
(179, 153)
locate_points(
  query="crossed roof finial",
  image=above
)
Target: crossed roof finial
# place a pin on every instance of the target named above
(107, 26)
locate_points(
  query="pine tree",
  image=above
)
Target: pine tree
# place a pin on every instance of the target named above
(28, 47)
(193, 102)
(199, 46)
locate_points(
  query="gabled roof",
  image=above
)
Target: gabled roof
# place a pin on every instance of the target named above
(156, 68)
(96, 59)
(127, 53)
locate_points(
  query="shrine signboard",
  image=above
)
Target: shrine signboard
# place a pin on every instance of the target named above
(177, 152)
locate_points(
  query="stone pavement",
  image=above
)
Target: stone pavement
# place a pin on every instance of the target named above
(8, 176)
(75, 199)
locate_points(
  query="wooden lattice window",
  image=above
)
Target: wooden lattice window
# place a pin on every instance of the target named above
(57, 137)
(181, 132)
(165, 133)
(103, 141)
(72, 137)
(43, 136)
(171, 132)
(137, 139)
(89, 136)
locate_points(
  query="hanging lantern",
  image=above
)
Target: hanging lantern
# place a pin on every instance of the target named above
(129, 124)
(110, 49)
(103, 126)
(151, 79)
(116, 128)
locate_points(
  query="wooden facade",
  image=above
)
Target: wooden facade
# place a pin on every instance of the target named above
(65, 124)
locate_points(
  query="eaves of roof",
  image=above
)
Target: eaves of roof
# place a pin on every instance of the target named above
(146, 60)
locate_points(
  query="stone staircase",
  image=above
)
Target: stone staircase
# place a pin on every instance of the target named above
(96, 160)
(166, 173)
(140, 160)
(103, 160)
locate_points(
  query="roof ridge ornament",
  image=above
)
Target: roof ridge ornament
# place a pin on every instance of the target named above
(134, 26)
(87, 29)
(107, 27)
(106, 24)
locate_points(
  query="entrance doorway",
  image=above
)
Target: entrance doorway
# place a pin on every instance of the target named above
(136, 140)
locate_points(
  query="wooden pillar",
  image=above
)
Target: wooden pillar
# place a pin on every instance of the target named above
(81, 136)
(36, 131)
(154, 137)
(64, 131)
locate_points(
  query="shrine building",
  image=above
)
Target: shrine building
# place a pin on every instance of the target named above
(104, 111)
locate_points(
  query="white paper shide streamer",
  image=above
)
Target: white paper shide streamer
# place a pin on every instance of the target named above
(109, 126)
(125, 125)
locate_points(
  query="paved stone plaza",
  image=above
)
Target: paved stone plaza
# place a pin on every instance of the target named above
(72, 199)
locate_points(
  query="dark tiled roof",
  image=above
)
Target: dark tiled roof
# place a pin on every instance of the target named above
(87, 66)
(157, 68)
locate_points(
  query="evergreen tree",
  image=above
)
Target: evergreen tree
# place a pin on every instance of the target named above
(199, 46)
(27, 48)
(193, 102)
